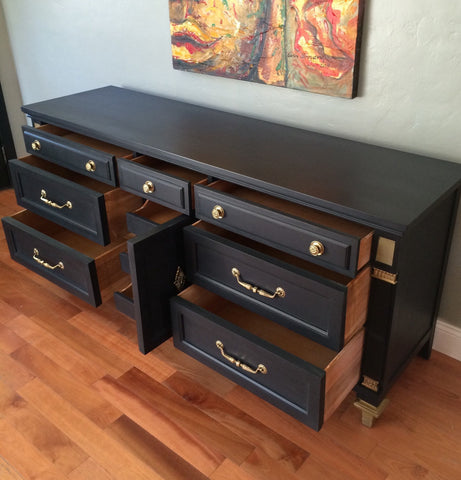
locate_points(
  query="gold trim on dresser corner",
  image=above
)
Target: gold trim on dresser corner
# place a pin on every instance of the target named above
(370, 383)
(384, 276)
(369, 412)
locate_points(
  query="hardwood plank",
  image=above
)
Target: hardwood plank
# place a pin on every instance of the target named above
(8, 312)
(108, 453)
(224, 440)
(81, 342)
(89, 470)
(229, 470)
(89, 323)
(29, 463)
(9, 341)
(13, 373)
(51, 442)
(316, 443)
(262, 467)
(269, 441)
(184, 442)
(8, 472)
(84, 398)
(152, 451)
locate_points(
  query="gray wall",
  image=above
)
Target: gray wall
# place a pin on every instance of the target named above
(409, 95)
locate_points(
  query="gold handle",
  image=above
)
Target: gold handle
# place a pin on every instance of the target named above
(279, 291)
(45, 264)
(43, 198)
(316, 248)
(148, 187)
(218, 212)
(90, 166)
(259, 369)
(36, 146)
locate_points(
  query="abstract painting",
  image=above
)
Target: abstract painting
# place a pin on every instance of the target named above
(310, 45)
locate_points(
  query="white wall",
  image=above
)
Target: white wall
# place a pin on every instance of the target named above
(409, 86)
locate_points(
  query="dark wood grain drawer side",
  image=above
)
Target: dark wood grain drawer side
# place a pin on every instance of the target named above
(84, 206)
(321, 238)
(83, 268)
(325, 306)
(78, 153)
(160, 182)
(300, 377)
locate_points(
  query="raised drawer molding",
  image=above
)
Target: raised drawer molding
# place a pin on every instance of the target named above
(299, 265)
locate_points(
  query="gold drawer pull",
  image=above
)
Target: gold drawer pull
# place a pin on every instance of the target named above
(36, 145)
(260, 368)
(279, 291)
(45, 264)
(90, 166)
(43, 198)
(148, 187)
(218, 212)
(316, 248)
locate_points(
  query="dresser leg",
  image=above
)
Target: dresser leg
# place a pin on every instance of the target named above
(369, 412)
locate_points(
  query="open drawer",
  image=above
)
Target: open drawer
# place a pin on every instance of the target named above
(321, 238)
(89, 271)
(76, 152)
(297, 375)
(160, 182)
(81, 204)
(154, 259)
(325, 306)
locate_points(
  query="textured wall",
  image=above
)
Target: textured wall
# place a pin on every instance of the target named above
(409, 95)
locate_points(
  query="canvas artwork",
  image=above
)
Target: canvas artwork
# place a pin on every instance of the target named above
(310, 45)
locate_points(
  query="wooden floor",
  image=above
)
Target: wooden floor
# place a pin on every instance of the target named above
(78, 401)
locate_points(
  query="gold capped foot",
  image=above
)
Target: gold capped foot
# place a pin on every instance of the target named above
(369, 412)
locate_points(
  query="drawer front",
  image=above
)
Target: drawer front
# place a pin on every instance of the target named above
(289, 383)
(66, 203)
(74, 156)
(306, 303)
(153, 185)
(285, 232)
(58, 263)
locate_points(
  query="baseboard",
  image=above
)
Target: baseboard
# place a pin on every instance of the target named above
(447, 339)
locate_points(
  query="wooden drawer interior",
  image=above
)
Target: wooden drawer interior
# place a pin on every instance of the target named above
(365, 234)
(342, 370)
(84, 140)
(106, 258)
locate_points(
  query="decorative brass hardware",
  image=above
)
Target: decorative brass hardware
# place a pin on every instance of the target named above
(316, 248)
(279, 291)
(45, 264)
(148, 187)
(36, 145)
(218, 212)
(259, 369)
(370, 383)
(179, 279)
(43, 198)
(385, 251)
(369, 412)
(90, 166)
(384, 276)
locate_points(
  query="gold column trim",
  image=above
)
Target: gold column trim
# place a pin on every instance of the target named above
(369, 412)
(384, 276)
(370, 383)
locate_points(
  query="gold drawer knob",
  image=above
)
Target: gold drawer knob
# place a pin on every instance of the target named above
(218, 212)
(90, 166)
(36, 146)
(316, 248)
(148, 187)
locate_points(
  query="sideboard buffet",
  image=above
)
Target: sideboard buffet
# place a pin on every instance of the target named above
(300, 265)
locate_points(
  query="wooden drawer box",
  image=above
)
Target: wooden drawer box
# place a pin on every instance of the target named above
(152, 259)
(321, 238)
(299, 376)
(85, 206)
(323, 305)
(160, 182)
(87, 270)
(78, 153)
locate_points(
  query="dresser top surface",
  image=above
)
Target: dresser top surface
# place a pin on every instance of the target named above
(381, 187)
